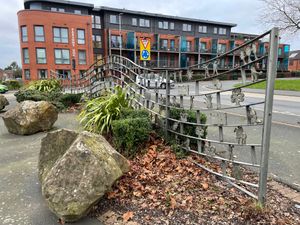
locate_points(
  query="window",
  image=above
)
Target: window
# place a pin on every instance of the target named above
(116, 41)
(39, 33)
(82, 74)
(172, 26)
(97, 43)
(81, 57)
(113, 19)
(222, 31)
(186, 27)
(215, 30)
(144, 23)
(43, 74)
(27, 74)
(188, 46)
(134, 21)
(96, 22)
(25, 56)
(80, 37)
(62, 56)
(203, 46)
(60, 35)
(164, 44)
(77, 11)
(172, 45)
(41, 56)
(163, 25)
(63, 74)
(24, 34)
(203, 29)
(54, 9)
(221, 48)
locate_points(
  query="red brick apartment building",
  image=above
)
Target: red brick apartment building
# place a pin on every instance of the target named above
(64, 38)
(294, 61)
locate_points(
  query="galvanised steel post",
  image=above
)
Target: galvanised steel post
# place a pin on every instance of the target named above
(269, 93)
(168, 87)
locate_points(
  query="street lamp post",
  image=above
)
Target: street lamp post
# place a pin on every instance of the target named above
(120, 34)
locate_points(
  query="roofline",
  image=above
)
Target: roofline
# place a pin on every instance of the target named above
(88, 5)
(237, 33)
(163, 16)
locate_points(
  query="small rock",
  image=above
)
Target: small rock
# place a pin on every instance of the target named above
(3, 102)
(30, 117)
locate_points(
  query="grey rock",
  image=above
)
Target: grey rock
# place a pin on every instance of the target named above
(30, 117)
(76, 170)
(3, 102)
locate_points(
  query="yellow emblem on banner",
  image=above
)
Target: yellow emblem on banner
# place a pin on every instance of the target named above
(145, 53)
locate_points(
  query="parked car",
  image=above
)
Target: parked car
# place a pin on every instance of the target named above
(150, 80)
(3, 88)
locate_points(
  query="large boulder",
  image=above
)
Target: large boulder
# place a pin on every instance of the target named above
(3, 102)
(30, 117)
(76, 170)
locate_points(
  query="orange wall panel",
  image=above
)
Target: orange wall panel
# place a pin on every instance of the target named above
(49, 19)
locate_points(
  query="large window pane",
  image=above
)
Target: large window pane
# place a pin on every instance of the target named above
(80, 37)
(27, 74)
(39, 33)
(41, 55)
(60, 35)
(62, 56)
(24, 34)
(25, 56)
(42, 74)
(113, 19)
(81, 57)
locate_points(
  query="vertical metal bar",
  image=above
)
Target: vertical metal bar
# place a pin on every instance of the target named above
(271, 75)
(198, 118)
(253, 155)
(197, 88)
(181, 101)
(167, 102)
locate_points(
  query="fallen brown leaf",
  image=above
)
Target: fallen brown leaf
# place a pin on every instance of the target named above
(127, 216)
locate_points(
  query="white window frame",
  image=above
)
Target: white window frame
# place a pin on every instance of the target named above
(202, 29)
(144, 23)
(24, 33)
(215, 30)
(39, 37)
(222, 31)
(186, 27)
(134, 21)
(172, 26)
(113, 19)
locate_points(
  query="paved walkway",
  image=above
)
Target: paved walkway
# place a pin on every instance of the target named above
(21, 201)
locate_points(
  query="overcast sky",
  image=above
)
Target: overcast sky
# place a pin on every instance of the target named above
(245, 13)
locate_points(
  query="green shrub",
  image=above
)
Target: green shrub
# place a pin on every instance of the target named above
(70, 99)
(99, 113)
(12, 84)
(51, 85)
(133, 113)
(33, 95)
(61, 101)
(130, 134)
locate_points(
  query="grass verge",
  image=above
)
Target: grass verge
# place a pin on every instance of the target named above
(286, 85)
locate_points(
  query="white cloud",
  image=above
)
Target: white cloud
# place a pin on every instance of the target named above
(245, 13)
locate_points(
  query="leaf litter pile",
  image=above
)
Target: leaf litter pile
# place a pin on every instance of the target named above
(160, 189)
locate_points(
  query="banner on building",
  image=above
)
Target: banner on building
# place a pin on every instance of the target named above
(145, 49)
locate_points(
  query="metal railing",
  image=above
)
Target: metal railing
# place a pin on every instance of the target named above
(230, 143)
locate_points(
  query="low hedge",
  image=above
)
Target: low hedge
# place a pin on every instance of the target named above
(58, 99)
(12, 84)
(131, 131)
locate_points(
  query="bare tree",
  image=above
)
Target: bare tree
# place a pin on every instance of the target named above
(284, 14)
